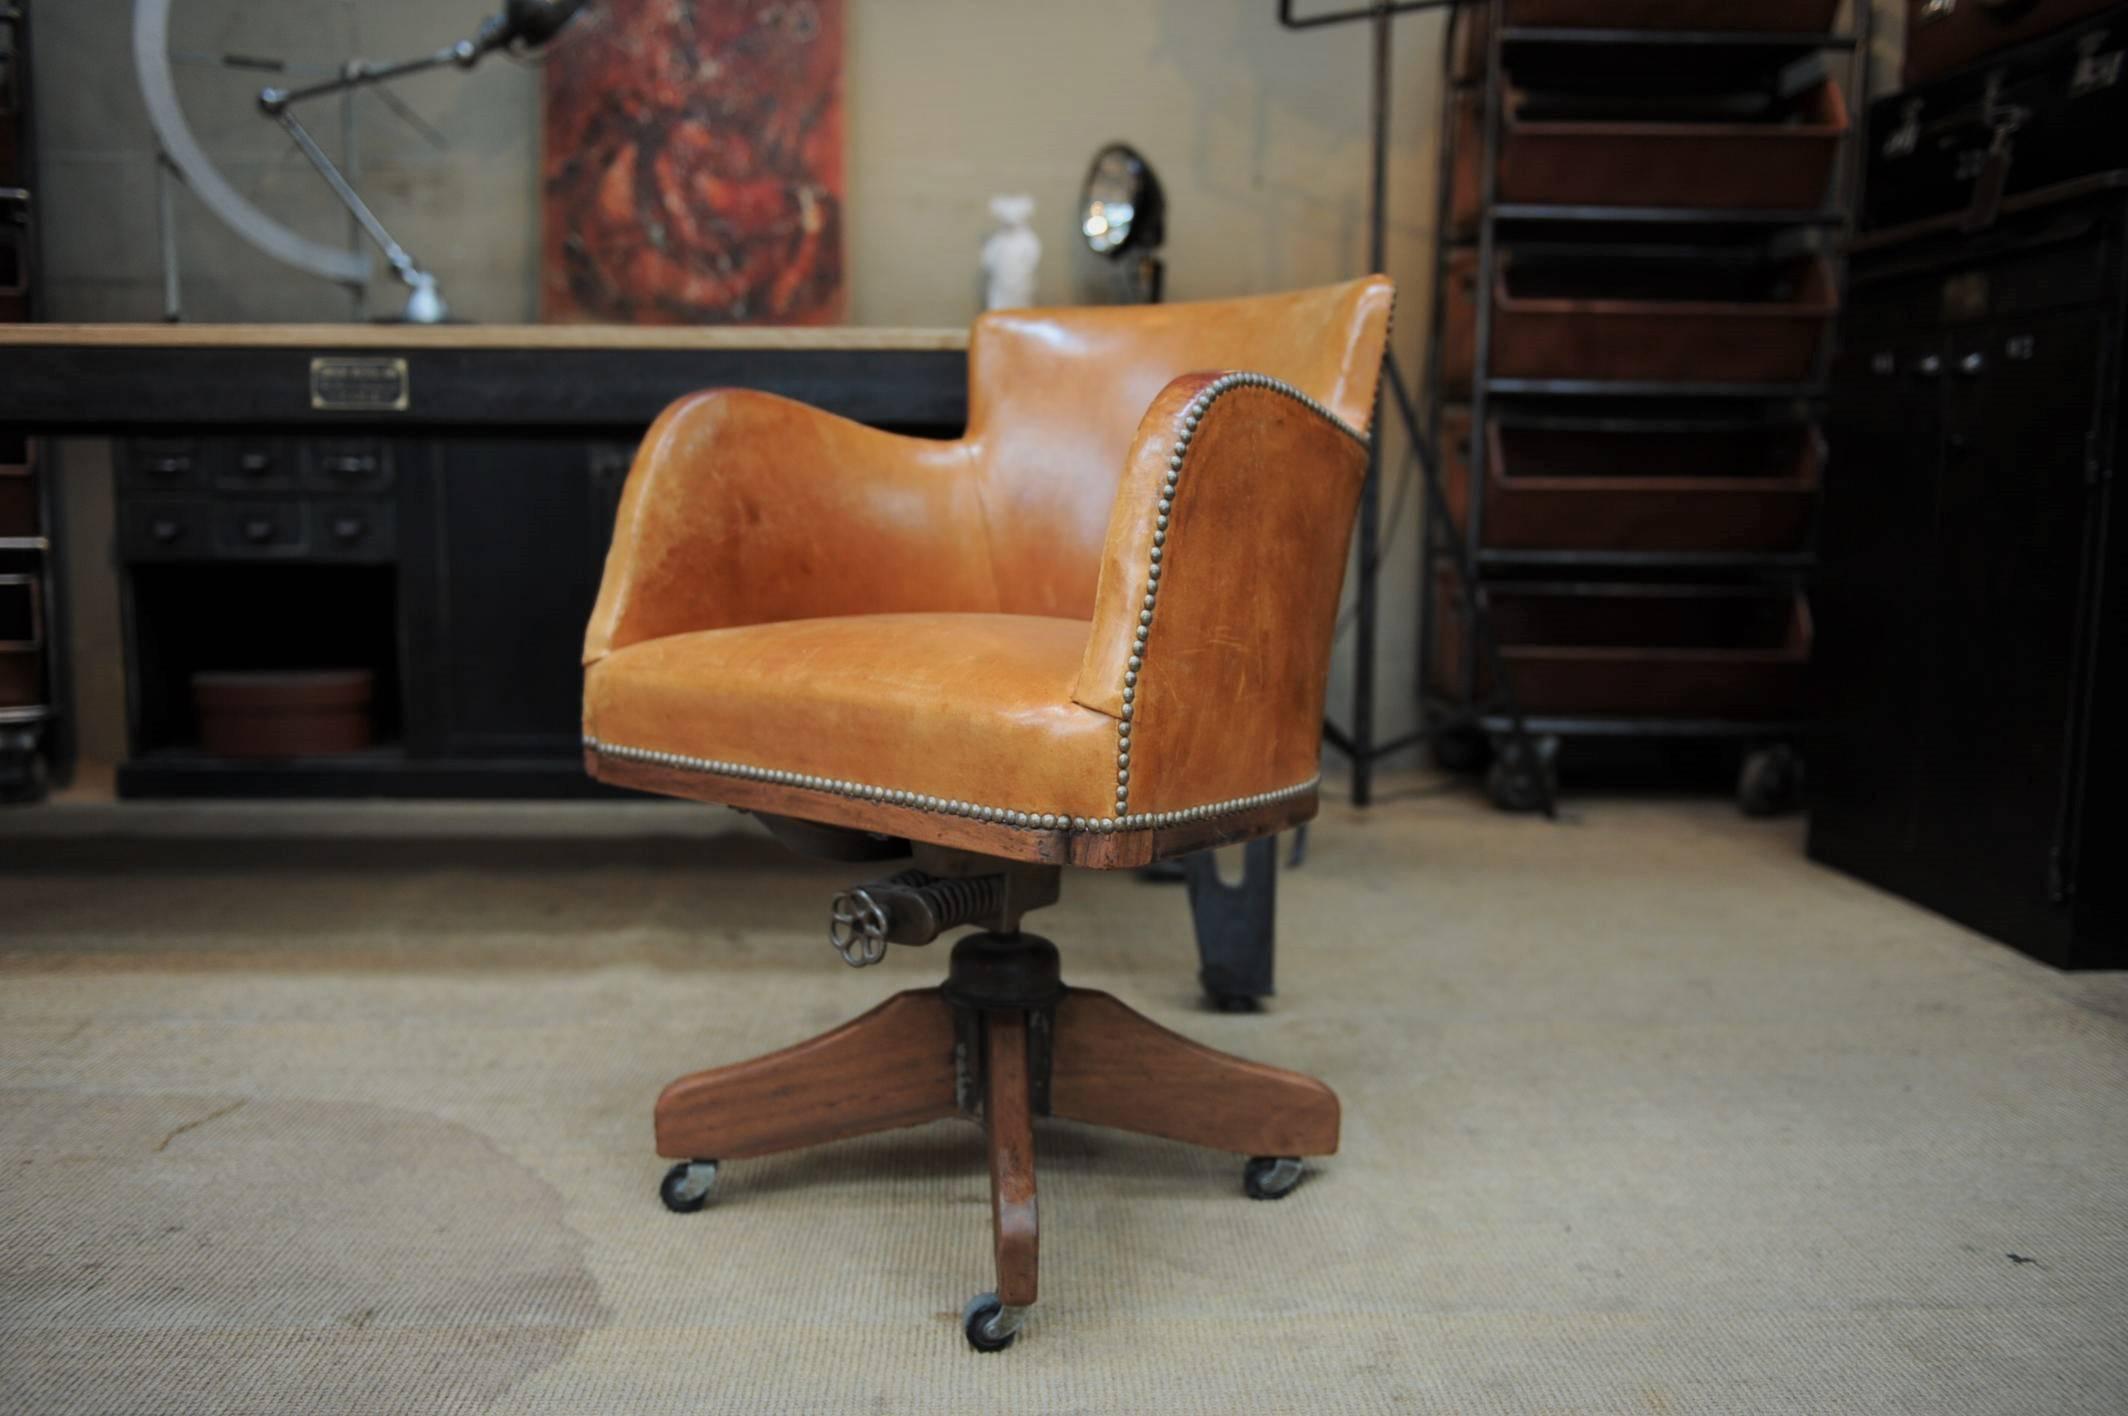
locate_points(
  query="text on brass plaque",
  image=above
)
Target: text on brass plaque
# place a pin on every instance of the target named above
(356, 383)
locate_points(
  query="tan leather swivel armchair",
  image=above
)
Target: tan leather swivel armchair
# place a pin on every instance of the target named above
(1095, 631)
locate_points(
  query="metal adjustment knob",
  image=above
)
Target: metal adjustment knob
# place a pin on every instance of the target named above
(857, 927)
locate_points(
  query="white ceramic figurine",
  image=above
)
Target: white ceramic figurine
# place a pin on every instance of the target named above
(1010, 255)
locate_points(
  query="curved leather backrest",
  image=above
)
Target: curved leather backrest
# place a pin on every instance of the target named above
(1056, 396)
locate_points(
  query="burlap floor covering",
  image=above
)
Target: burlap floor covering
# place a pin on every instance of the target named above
(324, 1109)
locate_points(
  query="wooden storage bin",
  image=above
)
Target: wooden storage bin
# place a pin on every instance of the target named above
(304, 713)
(1657, 651)
(1728, 16)
(1562, 151)
(1589, 486)
(18, 486)
(21, 642)
(1661, 321)
(1747, 16)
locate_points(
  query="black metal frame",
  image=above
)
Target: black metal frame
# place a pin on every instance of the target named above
(1235, 924)
(1779, 402)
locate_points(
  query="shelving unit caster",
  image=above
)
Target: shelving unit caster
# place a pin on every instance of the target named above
(1524, 774)
(1460, 748)
(1771, 781)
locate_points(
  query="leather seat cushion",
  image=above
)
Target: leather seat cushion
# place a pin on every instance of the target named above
(966, 707)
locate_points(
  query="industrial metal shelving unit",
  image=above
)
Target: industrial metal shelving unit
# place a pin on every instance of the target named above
(34, 731)
(1464, 714)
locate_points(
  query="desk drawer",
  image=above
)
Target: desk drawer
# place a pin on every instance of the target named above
(249, 464)
(347, 465)
(252, 465)
(164, 530)
(260, 528)
(351, 530)
(163, 464)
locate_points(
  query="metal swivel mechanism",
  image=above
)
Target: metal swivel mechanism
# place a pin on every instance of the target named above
(944, 890)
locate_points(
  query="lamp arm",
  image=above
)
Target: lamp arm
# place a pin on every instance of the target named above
(403, 263)
(360, 73)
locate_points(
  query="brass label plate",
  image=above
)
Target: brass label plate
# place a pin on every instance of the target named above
(359, 383)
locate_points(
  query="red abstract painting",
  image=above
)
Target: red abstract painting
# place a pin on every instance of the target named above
(693, 165)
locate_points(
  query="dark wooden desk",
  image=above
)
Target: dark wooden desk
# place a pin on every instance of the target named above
(430, 503)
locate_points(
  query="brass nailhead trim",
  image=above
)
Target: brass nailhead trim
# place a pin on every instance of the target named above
(996, 815)
(1192, 414)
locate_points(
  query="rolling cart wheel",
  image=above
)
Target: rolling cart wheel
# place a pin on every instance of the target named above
(1460, 748)
(1771, 781)
(1523, 779)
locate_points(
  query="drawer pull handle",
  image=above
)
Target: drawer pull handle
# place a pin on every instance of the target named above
(349, 529)
(258, 530)
(351, 465)
(1929, 366)
(170, 466)
(256, 463)
(1972, 364)
(165, 531)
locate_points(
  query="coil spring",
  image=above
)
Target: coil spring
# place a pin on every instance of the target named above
(956, 900)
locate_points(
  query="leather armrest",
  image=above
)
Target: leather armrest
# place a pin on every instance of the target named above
(1219, 588)
(743, 508)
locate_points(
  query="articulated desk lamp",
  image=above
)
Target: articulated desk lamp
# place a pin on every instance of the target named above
(523, 27)
(1123, 216)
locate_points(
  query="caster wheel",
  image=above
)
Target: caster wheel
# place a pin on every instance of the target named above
(1271, 1177)
(1459, 749)
(1523, 777)
(1771, 781)
(986, 1324)
(686, 1186)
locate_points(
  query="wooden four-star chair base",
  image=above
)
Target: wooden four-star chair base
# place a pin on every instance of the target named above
(1001, 1042)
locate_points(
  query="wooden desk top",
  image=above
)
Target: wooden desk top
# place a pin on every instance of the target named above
(98, 377)
(842, 338)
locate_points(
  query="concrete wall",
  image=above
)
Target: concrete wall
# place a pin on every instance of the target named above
(1257, 132)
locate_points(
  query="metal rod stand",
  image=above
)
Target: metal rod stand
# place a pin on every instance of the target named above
(1359, 745)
